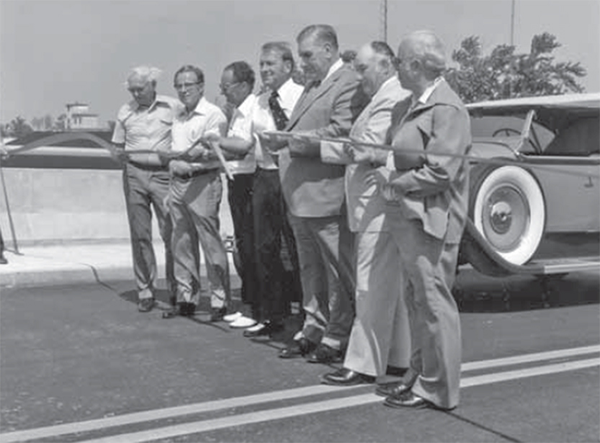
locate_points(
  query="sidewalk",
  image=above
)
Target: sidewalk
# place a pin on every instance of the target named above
(74, 264)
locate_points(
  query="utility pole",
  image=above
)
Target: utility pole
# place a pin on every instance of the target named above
(512, 24)
(383, 16)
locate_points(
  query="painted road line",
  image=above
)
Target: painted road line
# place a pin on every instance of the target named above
(322, 406)
(528, 358)
(160, 414)
(197, 408)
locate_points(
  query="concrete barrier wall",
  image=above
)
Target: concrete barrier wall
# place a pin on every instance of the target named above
(54, 206)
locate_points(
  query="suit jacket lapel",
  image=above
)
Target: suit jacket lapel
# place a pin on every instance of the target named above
(308, 98)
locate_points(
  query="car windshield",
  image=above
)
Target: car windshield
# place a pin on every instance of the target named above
(503, 127)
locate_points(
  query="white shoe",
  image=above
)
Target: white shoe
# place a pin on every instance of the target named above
(232, 317)
(256, 327)
(242, 322)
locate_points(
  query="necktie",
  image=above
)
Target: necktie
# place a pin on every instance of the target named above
(279, 116)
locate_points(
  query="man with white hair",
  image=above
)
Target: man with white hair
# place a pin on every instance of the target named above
(427, 195)
(144, 124)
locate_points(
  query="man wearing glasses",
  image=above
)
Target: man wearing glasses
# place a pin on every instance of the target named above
(144, 124)
(237, 84)
(195, 196)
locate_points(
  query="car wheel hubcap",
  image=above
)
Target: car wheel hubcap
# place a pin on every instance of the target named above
(506, 217)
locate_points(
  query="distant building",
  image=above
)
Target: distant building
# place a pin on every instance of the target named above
(80, 117)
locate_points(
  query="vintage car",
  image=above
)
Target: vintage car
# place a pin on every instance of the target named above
(534, 204)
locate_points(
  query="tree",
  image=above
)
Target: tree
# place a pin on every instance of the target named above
(505, 74)
(60, 124)
(18, 127)
(48, 122)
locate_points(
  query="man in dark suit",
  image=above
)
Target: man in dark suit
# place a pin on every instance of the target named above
(427, 196)
(314, 193)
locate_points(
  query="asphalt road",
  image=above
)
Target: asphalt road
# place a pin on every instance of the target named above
(79, 363)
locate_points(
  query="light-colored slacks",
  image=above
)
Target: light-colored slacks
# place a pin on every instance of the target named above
(324, 247)
(194, 208)
(429, 270)
(146, 189)
(381, 331)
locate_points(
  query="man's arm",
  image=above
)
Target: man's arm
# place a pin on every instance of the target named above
(450, 135)
(346, 108)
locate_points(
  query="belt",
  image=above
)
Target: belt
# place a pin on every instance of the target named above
(196, 174)
(153, 168)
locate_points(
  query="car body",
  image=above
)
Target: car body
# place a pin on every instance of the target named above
(534, 203)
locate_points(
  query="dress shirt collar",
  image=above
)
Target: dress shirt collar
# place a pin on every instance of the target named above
(245, 109)
(200, 109)
(427, 92)
(285, 90)
(337, 65)
(135, 106)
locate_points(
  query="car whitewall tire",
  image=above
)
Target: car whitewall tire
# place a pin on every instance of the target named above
(508, 209)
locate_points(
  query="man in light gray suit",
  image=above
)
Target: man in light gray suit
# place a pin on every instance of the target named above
(314, 193)
(380, 333)
(427, 197)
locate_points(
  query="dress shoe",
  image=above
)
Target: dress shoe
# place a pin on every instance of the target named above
(299, 348)
(145, 304)
(266, 328)
(242, 323)
(217, 314)
(407, 400)
(325, 354)
(395, 371)
(389, 389)
(183, 309)
(346, 377)
(3, 260)
(232, 317)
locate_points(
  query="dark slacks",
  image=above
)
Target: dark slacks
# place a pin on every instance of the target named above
(146, 188)
(271, 303)
(240, 201)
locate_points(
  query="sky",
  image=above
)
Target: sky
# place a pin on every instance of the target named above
(54, 52)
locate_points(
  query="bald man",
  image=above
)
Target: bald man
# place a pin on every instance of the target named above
(427, 196)
(380, 333)
(144, 123)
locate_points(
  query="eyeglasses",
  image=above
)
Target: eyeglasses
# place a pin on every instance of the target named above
(185, 85)
(134, 90)
(227, 86)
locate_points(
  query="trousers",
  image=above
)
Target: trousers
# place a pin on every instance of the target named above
(194, 208)
(381, 331)
(270, 302)
(324, 252)
(240, 202)
(429, 266)
(146, 189)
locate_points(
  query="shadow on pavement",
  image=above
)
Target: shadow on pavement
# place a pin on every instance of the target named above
(477, 293)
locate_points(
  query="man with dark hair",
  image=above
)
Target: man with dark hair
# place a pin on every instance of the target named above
(271, 111)
(237, 84)
(194, 198)
(380, 338)
(144, 124)
(314, 193)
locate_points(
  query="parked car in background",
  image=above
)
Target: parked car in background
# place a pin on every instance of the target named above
(534, 203)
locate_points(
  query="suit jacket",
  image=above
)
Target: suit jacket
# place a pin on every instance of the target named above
(366, 207)
(310, 187)
(430, 187)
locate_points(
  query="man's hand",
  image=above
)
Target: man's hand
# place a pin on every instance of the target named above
(180, 168)
(122, 155)
(359, 154)
(272, 142)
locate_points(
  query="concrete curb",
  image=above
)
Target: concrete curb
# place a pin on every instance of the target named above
(74, 264)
